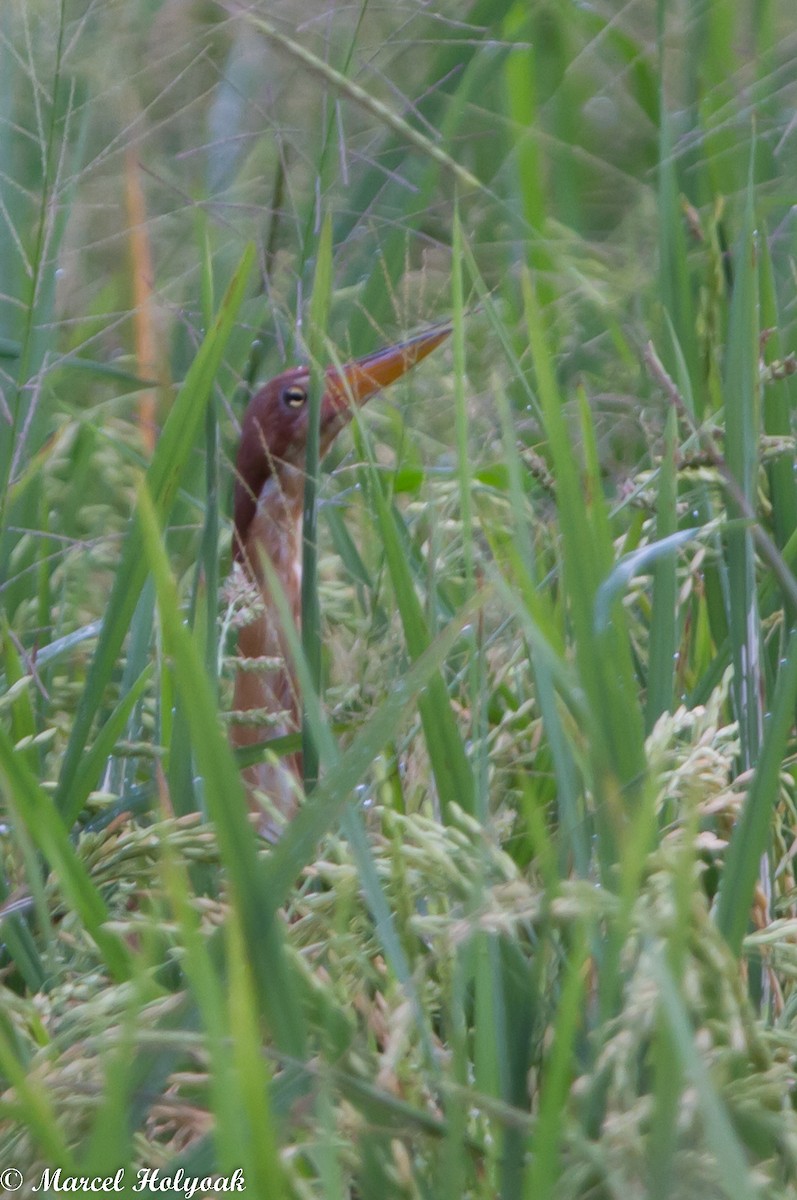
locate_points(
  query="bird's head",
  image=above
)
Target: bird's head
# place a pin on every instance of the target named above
(274, 430)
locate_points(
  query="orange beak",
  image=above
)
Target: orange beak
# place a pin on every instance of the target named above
(357, 381)
(269, 439)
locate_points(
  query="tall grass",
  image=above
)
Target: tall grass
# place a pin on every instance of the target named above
(531, 933)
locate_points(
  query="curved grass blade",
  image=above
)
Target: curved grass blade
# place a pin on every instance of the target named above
(163, 478)
(638, 563)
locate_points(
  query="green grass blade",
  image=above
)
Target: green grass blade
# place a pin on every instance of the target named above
(33, 1105)
(751, 832)
(616, 735)
(728, 1152)
(664, 617)
(452, 771)
(226, 804)
(778, 405)
(164, 474)
(110, 1142)
(477, 684)
(315, 817)
(545, 1146)
(325, 807)
(208, 579)
(22, 949)
(311, 604)
(92, 763)
(206, 982)
(18, 434)
(262, 1167)
(638, 562)
(741, 388)
(203, 614)
(546, 651)
(675, 286)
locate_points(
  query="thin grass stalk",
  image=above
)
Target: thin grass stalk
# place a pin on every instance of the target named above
(99, 755)
(251, 1072)
(149, 361)
(537, 617)
(675, 287)
(777, 407)
(454, 1163)
(209, 555)
(475, 673)
(311, 602)
(664, 615)
(313, 222)
(545, 1145)
(117, 775)
(522, 86)
(742, 421)
(202, 611)
(358, 95)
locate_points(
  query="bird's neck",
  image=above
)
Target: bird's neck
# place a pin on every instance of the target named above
(266, 701)
(275, 534)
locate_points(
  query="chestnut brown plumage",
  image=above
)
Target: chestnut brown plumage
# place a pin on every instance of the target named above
(269, 491)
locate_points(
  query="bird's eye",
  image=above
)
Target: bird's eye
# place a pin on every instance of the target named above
(294, 396)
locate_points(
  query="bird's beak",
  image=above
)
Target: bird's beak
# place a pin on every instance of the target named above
(356, 382)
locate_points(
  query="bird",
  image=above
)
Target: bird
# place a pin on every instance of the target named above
(267, 525)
